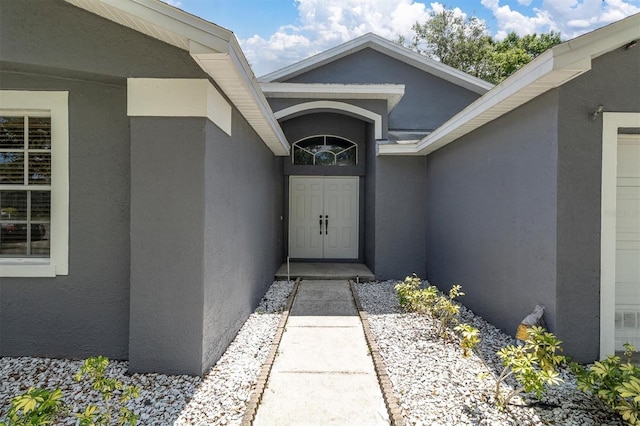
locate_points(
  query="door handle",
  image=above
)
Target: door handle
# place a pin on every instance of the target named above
(320, 221)
(326, 224)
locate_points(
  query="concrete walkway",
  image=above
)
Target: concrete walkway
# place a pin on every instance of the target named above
(323, 374)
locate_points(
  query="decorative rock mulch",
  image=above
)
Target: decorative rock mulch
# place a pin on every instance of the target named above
(436, 385)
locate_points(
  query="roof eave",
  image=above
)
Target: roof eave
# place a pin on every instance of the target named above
(387, 47)
(391, 93)
(553, 68)
(215, 49)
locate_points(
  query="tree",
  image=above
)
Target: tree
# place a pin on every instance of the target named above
(514, 52)
(465, 44)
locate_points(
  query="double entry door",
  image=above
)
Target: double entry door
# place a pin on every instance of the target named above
(323, 217)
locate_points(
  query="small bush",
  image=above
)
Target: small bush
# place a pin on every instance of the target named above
(470, 337)
(35, 407)
(413, 298)
(45, 407)
(616, 384)
(534, 365)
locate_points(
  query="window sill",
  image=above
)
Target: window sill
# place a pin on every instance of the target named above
(27, 268)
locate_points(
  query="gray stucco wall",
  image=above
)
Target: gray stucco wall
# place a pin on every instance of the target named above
(244, 209)
(55, 34)
(491, 224)
(206, 238)
(428, 100)
(86, 312)
(167, 243)
(612, 82)
(195, 283)
(400, 217)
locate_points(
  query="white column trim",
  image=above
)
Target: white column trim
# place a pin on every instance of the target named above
(611, 122)
(178, 97)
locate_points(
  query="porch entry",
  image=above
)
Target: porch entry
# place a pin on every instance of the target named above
(323, 217)
(627, 263)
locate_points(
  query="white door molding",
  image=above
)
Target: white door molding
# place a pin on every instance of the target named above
(611, 122)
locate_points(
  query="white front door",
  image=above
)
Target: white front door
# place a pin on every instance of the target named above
(323, 217)
(627, 262)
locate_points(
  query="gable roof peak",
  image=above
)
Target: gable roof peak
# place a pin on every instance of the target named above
(386, 47)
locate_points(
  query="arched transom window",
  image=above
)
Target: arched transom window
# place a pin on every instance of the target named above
(325, 151)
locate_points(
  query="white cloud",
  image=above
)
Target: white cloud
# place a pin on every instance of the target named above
(323, 24)
(327, 23)
(569, 17)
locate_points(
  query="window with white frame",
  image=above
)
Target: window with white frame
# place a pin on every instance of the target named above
(34, 139)
(325, 151)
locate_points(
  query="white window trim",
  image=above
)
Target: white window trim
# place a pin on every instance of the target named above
(57, 105)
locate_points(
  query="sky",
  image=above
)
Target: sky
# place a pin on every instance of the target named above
(277, 33)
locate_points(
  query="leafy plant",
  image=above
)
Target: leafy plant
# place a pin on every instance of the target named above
(35, 407)
(94, 369)
(413, 298)
(470, 338)
(617, 385)
(446, 310)
(533, 365)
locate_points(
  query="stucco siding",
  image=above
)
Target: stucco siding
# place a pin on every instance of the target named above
(613, 83)
(428, 100)
(491, 225)
(400, 215)
(87, 311)
(55, 34)
(243, 232)
(167, 265)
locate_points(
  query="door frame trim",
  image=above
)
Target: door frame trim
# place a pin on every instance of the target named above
(611, 122)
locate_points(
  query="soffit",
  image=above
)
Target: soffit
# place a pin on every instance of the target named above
(392, 93)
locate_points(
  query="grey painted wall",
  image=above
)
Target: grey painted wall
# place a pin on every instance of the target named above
(194, 282)
(167, 244)
(400, 217)
(612, 82)
(55, 34)
(491, 225)
(206, 238)
(86, 312)
(244, 209)
(428, 100)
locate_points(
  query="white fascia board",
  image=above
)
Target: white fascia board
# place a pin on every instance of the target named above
(386, 47)
(242, 88)
(551, 69)
(392, 93)
(202, 39)
(161, 21)
(156, 97)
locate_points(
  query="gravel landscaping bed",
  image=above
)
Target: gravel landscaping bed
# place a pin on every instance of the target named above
(436, 385)
(219, 398)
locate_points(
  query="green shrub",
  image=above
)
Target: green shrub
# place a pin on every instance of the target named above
(94, 369)
(45, 407)
(470, 337)
(616, 384)
(534, 365)
(413, 298)
(35, 407)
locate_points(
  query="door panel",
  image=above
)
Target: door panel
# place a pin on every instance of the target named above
(324, 217)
